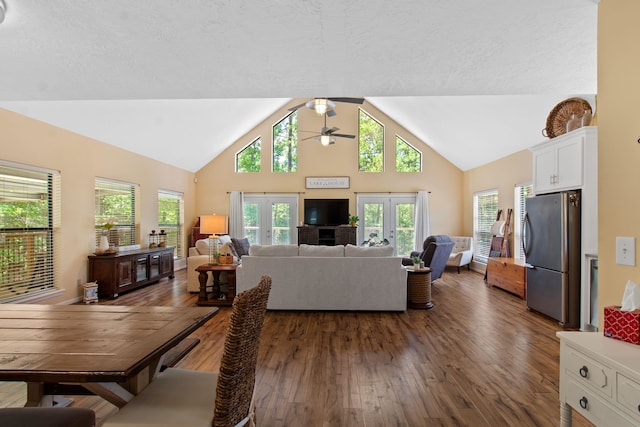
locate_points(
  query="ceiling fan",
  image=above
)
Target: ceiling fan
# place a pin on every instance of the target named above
(326, 105)
(327, 136)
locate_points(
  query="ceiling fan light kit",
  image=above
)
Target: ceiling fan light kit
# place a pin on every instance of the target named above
(320, 105)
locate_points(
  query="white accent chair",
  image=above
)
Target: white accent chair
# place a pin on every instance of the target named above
(462, 252)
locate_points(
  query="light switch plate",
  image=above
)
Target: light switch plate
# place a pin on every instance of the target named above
(626, 251)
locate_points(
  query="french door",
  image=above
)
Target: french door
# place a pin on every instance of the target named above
(270, 219)
(391, 217)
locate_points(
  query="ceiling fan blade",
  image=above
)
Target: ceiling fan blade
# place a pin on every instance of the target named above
(331, 113)
(343, 135)
(349, 100)
(309, 137)
(297, 107)
(330, 131)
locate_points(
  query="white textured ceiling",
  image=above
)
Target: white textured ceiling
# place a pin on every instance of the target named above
(475, 80)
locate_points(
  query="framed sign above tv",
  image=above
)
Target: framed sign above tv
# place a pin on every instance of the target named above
(327, 182)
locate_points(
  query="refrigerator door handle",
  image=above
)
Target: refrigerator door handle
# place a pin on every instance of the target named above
(523, 236)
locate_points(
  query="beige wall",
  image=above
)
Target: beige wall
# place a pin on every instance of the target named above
(618, 147)
(439, 176)
(503, 174)
(80, 160)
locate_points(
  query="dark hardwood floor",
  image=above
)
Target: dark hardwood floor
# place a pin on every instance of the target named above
(478, 358)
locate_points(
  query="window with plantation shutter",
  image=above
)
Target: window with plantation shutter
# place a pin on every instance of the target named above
(170, 218)
(485, 209)
(115, 205)
(29, 218)
(521, 192)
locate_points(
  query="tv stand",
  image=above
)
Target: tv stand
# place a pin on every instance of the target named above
(328, 235)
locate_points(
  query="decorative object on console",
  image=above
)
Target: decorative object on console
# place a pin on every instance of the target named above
(153, 239)
(213, 225)
(162, 239)
(373, 240)
(353, 220)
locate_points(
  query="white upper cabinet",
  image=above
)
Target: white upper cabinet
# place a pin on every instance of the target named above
(558, 164)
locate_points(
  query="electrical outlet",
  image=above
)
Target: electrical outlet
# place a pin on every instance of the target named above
(626, 251)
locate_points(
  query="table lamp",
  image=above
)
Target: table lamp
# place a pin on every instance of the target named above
(213, 225)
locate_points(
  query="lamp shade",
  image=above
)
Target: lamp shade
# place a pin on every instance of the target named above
(213, 224)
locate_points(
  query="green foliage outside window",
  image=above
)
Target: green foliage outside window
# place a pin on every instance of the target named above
(405, 230)
(285, 144)
(408, 159)
(248, 160)
(370, 144)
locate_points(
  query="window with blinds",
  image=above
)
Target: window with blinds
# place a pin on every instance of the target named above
(521, 192)
(171, 218)
(115, 204)
(485, 209)
(29, 215)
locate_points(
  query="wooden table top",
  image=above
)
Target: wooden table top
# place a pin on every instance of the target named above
(217, 267)
(89, 343)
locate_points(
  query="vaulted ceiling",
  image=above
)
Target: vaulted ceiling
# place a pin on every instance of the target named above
(474, 80)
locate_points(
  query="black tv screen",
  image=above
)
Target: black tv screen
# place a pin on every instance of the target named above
(326, 211)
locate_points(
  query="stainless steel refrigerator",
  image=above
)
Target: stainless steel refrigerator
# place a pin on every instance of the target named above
(551, 241)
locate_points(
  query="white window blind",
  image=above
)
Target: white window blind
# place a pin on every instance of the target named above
(521, 192)
(485, 209)
(29, 218)
(170, 218)
(115, 203)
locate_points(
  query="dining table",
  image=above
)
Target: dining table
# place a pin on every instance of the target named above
(108, 350)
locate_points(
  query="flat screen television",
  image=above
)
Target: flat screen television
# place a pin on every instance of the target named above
(326, 211)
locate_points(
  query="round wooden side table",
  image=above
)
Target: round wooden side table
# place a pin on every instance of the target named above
(419, 288)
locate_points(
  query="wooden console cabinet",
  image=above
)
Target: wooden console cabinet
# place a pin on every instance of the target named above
(327, 235)
(508, 274)
(125, 271)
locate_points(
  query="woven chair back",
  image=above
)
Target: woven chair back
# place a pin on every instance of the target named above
(237, 375)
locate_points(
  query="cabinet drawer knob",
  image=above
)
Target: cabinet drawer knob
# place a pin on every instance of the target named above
(584, 403)
(584, 372)
(638, 408)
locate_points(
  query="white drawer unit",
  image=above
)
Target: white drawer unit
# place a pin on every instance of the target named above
(599, 378)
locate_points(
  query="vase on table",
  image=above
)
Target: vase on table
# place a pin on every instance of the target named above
(104, 243)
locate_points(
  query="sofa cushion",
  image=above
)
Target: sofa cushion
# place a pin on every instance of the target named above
(242, 246)
(322, 251)
(368, 251)
(202, 246)
(273, 250)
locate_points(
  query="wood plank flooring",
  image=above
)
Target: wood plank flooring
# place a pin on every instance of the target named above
(478, 358)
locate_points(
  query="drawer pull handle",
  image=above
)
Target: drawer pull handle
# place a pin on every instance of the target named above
(584, 403)
(584, 372)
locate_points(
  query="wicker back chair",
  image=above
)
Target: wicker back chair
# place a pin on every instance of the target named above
(182, 397)
(234, 393)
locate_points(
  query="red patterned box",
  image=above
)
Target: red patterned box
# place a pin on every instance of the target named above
(622, 325)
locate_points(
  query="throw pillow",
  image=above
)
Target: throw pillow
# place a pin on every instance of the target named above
(242, 246)
(228, 248)
(202, 246)
(224, 239)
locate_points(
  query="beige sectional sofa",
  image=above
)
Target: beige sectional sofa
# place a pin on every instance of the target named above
(309, 277)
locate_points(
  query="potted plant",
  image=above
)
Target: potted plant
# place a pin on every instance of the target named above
(353, 220)
(416, 262)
